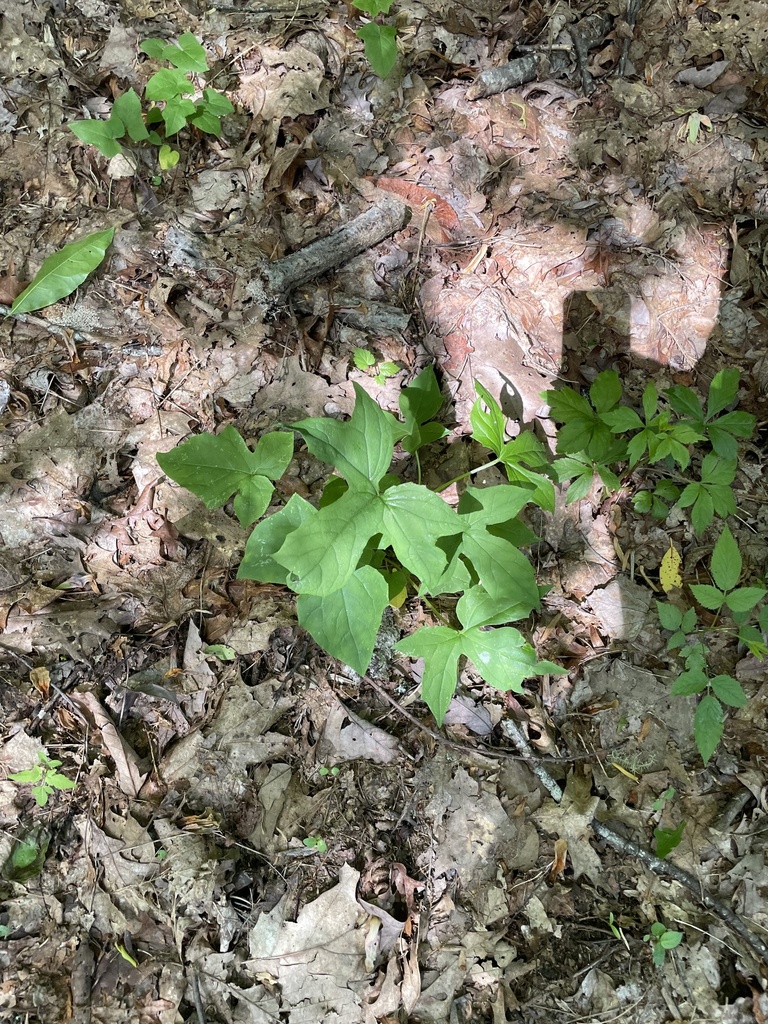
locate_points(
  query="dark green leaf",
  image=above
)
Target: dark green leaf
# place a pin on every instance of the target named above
(690, 682)
(153, 48)
(189, 55)
(64, 271)
(702, 513)
(605, 391)
(217, 103)
(722, 391)
(268, 537)
(440, 647)
(729, 691)
(127, 109)
(708, 726)
(175, 114)
(622, 419)
(346, 622)
(685, 402)
(726, 561)
(650, 400)
(487, 420)
(205, 121)
(670, 616)
(709, 597)
(667, 839)
(380, 46)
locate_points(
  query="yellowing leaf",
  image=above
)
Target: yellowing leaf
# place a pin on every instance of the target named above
(670, 575)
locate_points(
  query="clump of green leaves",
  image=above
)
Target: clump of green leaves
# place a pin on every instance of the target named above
(727, 599)
(166, 109)
(380, 371)
(44, 778)
(599, 435)
(379, 39)
(661, 940)
(374, 536)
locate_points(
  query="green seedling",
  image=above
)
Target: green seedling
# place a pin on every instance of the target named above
(617, 930)
(333, 772)
(316, 843)
(44, 779)
(728, 599)
(661, 940)
(375, 535)
(381, 372)
(380, 40)
(166, 108)
(667, 839)
(661, 800)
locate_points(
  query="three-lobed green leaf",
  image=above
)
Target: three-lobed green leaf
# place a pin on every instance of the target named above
(214, 467)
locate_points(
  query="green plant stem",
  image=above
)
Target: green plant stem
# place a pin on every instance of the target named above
(470, 472)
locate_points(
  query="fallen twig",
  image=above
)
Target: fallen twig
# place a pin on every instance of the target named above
(656, 864)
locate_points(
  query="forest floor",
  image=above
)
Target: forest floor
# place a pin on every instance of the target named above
(255, 833)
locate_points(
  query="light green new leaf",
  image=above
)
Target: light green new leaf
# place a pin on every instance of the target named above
(440, 647)
(726, 561)
(670, 616)
(268, 537)
(488, 421)
(667, 839)
(324, 552)
(127, 108)
(166, 84)
(64, 271)
(360, 450)
(346, 622)
(708, 726)
(101, 134)
(729, 691)
(189, 55)
(214, 467)
(153, 48)
(380, 46)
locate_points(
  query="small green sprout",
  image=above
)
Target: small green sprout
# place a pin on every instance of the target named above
(365, 360)
(43, 778)
(662, 939)
(316, 843)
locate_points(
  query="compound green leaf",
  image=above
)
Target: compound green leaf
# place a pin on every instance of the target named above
(708, 726)
(440, 647)
(724, 443)
(722, 391)
(346, 622)
(189, 55)
(622, 419)
(323, 552)
(167, 83)
(745, 598)
(361, 449)
(380, 46)
(127, 109)
(741, 424)
(729, 691)
(101, 134)
(268, 537)
(214, 467)
(702, 513)
(685, 402)
(726, 561)
(64, 271)
(715, 470)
